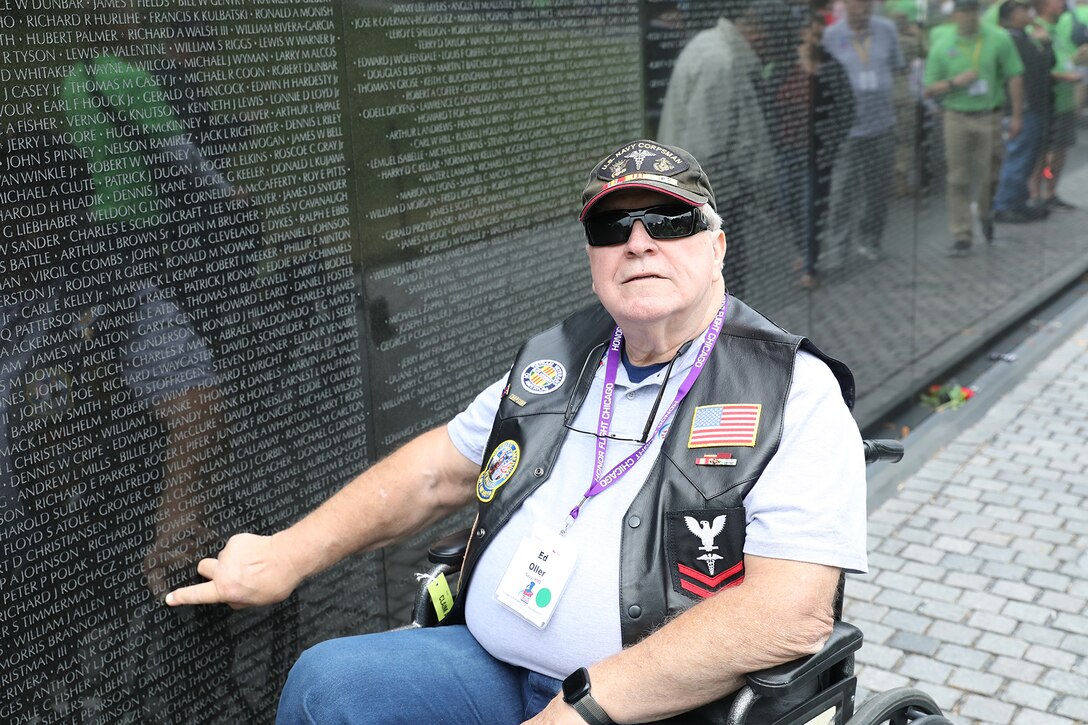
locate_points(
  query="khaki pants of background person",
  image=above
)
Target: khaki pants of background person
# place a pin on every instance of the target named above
(972, 151)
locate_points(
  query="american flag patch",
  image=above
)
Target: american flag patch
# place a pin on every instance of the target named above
(724, 425)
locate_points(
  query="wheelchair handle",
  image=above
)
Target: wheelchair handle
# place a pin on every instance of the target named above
(883, 450)
(449, 550)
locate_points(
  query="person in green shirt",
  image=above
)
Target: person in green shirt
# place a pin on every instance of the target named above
(968, 71)
(1066, 21)
(905, 9)
(941, 31)
(990, 17)
(1063, 126)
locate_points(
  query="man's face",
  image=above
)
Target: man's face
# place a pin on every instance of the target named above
(650, 280)
(814, 34)
(1021, 17)
(858, 11)
(753, 34)
(966, 21)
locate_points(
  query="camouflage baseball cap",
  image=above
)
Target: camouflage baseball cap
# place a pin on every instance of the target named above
(648, 165)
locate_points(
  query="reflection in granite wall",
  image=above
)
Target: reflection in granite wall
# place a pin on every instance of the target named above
(181, 358)
(249, 247)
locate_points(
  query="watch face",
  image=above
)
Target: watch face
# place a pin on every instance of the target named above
(576, 686)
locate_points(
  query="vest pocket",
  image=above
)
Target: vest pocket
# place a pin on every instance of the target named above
(704, 549)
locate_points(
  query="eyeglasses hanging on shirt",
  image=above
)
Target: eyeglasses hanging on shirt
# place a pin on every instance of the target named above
(590, 369)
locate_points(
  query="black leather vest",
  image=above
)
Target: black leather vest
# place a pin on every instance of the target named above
(661, 573)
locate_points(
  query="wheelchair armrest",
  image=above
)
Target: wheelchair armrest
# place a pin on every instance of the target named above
(782, 680)
(450, 549)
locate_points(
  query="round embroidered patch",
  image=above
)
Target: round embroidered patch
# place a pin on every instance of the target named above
(543, 376)
(500, 467)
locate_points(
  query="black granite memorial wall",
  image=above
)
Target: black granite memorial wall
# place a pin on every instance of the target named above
(250, 247)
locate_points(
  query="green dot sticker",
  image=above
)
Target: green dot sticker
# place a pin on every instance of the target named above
(544, 597)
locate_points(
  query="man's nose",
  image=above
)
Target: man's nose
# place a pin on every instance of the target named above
(639, 240)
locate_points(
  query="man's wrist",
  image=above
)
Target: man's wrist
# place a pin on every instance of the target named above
(290, 553)
(576, 693)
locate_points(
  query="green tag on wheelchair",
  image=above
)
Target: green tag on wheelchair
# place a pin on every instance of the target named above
(441, 596)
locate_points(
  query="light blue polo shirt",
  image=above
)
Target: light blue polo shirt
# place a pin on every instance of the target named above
(870, 60)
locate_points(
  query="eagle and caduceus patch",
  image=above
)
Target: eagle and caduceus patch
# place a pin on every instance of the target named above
(705, 550)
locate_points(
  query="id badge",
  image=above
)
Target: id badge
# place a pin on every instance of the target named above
(867, 81)
(978, 88)
(537, 575)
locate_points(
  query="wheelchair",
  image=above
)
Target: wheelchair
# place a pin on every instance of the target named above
(831, 669)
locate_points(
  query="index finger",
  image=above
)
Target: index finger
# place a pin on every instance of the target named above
(205, 593)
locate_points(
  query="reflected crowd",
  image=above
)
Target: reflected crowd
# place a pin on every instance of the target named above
(149, 341)
(816, 117)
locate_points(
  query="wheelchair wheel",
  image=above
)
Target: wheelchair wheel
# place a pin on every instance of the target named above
(901, 706)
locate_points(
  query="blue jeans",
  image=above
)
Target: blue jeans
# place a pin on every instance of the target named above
(804, 190)
(436, 675)
(1021, 154)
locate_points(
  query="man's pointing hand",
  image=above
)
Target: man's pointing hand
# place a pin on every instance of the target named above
(250, 571)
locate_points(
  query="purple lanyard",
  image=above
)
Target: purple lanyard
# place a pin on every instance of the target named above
(601, 480)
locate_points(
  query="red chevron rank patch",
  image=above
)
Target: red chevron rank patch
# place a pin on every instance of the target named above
(710, 585)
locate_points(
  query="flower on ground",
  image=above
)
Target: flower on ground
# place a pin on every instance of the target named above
(946, 397)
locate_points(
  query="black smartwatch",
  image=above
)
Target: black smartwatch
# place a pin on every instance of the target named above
(576, 694)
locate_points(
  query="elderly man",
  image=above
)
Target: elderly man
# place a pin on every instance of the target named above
(668, 486)
(968, 69)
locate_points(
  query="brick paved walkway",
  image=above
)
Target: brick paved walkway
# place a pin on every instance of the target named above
(978, 580)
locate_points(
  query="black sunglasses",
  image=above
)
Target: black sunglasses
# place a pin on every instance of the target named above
(669, 221)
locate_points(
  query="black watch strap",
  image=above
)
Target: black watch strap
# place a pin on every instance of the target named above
(590, 711)
(576, 694)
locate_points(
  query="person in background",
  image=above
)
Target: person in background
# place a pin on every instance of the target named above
(815, 112)
(968, 70)
(867, 46)
(1063, 126)
(91, 363)
(713, 108)
(1013, 203)
(1074, 26)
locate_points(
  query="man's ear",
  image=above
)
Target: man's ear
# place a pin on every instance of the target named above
(592, 284)
(719, 247)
